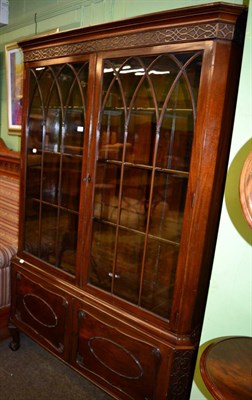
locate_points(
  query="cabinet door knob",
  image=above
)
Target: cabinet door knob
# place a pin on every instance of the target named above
(116, 276)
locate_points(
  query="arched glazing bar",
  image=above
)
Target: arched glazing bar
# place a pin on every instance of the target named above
(146, 125)
(57, 113)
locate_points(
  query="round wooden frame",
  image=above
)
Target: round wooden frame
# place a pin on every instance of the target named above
(246, 189)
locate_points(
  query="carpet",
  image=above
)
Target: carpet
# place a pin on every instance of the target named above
(31, 373)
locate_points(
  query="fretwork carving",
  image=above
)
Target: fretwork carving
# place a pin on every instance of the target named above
(181, 374)
(150, 38)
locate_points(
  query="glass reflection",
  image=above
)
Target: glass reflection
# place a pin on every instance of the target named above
(129, 254)
(159, 277)
(56, 128)
(103, 245)
(147, 117)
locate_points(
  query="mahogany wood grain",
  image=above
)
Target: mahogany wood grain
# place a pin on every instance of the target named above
(226, 368)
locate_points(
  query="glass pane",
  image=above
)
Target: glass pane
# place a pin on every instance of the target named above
(128, 265)
(39, 79)
(102, 255)
(106, 192)
(135, 198)
(36, 118)
(141, 137)
(74, 115)
(70, 182)
(56, 125)
(159, 276)
(39, 240)
(35, 130)
(32, 241)
(34, 166)
(53, 129)
(168, 206)
(50, 179)
(175, 142)
(64, 256)
(48, 238)
(74, 129)
(111, 140)
(147, 118)
(110, 90)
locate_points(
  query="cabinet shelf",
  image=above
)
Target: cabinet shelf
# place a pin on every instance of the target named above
(120, 110)
(76, 152)
(181, 173)
(54, 205)
(138, 232)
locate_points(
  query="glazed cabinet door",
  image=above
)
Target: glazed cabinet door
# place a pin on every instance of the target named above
(146, 128)
(55, 127)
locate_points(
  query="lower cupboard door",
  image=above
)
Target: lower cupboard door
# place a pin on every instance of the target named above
(125, 366)
(41, 312)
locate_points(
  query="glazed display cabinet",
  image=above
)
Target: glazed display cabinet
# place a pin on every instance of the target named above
(125, 140)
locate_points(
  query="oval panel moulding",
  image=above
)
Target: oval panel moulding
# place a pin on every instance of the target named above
(97, 344)
(46, 316)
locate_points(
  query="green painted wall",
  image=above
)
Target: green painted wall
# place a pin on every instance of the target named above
(228, 309)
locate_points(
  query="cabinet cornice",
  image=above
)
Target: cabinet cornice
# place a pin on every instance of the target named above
(163, 36)
(209, 22)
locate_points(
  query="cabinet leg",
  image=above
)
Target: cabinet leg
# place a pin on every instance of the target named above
(14, 332)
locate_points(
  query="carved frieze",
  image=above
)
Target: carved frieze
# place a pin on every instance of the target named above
(150, 38)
